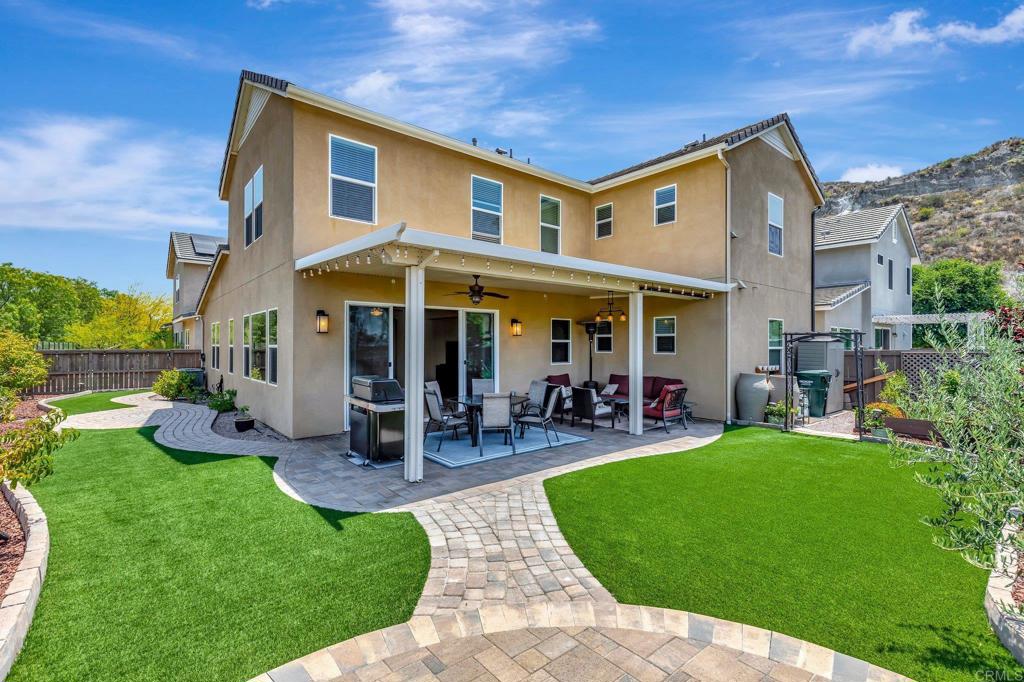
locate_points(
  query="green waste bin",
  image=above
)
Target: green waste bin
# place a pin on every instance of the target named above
(815, 383)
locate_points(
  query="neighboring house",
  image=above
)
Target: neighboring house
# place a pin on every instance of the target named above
(350, 230)
(189, 257)
(863, 272)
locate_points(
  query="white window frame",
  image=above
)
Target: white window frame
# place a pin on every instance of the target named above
(331, 176)
(540, 211)
(551, 332)
(231, 345)
(655, 335)
(500, 214)
(266, 343)
(273, 345)
(841, 330)
(177, 287)
(891, 275)
(674, 204)
(888, 335)
(770, 225)
(880, 259)
(610, 221)
(782, 344)
(250, 189)
(610, 336)
(215, 345)
(187, 337)
(247, 346)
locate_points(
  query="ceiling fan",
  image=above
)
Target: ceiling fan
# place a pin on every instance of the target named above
(476, 292)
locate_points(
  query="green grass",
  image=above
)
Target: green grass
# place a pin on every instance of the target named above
(93, 402)
(819, 539)
(172, 565)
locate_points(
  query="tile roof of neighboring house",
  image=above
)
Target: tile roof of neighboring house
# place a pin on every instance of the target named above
(195, 247)
(835, 295)
(864, 225)
(730, 138)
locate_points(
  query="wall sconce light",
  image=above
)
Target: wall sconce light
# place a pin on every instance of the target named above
(517, 327)
(322, 322)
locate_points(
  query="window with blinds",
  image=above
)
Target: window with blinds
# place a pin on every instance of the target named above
(665, 335)
(254, 207)
(776, 211)
(665, 205)
(353, 180)
(603, 221)
(487, 209)
(550, 225)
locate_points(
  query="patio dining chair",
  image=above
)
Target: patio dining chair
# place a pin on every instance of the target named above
(496, 415)
(586, 405)
(481, 386)
(435, 388)
(439, 418)
(544, 419)
(537, 393)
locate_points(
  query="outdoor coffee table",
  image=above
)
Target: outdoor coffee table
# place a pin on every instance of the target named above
(620, 406)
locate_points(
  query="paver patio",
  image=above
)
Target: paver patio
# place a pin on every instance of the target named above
(506, 598)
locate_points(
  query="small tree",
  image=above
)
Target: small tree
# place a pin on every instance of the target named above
(21, 366)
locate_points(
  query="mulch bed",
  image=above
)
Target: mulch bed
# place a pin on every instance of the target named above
(26, 409)
(12, 552)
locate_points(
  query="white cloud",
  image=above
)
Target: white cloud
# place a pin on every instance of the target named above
(872, 171)
(906, 28)
(456, 65)
(106, 175)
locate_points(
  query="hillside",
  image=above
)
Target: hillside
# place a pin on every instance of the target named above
(969, 207)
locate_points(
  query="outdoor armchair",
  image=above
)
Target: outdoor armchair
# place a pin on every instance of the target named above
(670, 405)
(437, 418)
(586, 405)
(544, 419)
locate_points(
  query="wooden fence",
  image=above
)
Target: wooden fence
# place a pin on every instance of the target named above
(98, 370)
(911, 362)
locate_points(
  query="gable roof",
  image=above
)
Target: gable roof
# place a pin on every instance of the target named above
(192, 248)
(865, 226)
(833, 296)
(222, 253)
(251, 81)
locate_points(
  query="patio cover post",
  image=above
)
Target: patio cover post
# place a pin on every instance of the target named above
(636, 363)
(415, 284)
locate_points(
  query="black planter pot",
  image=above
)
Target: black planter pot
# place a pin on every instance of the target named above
(244, 423)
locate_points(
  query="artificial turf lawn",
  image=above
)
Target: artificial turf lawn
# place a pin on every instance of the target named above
(93, 402)
(816, 538)
(172, 565)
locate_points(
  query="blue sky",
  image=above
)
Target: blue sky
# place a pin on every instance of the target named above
(112, 130)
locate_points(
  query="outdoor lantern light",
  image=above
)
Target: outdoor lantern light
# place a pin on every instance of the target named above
(517, 327)
(609, 311)
(322, 322)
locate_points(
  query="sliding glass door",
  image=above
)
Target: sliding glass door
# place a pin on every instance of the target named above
(479, 351)
(370, 344)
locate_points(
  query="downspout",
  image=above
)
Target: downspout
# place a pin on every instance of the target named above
(814, 256)
(728, 280)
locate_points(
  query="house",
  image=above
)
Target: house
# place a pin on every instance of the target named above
(863, 272)
(351, 232)
(189, 257)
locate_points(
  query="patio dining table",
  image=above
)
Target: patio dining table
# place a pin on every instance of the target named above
(473, 404)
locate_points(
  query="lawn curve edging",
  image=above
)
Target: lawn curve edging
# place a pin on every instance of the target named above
(48, 407)
(19, 602)
(1007, 623)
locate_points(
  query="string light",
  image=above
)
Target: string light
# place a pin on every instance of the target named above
(346, 262)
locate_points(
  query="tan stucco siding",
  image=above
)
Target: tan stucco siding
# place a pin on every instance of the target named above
(693, 245)
(422, 184)
(261, 276)
(778, 288)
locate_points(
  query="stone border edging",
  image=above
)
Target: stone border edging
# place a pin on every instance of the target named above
(422, 631)
(999, 602)
(19, 603)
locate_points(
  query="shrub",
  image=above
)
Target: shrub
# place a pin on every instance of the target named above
(21, 366)
(8, 401)
(896, 390)
(173, 384)
(223, 401)
(933, 201)
(925, 212)
(888, 409)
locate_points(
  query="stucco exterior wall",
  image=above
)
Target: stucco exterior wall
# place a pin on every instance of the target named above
(843, 265)
(853, 314)
(261, 276)
(192, 276)
(778, 288)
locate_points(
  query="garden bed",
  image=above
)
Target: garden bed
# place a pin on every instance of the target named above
(12, 552)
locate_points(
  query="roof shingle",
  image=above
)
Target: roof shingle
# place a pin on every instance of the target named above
(835, 295)
(856, 226)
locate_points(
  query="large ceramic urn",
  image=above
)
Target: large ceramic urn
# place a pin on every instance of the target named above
(752, 393)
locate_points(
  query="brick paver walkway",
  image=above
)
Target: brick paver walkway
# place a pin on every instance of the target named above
(506, 598)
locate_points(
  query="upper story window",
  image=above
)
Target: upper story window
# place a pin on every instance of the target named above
(603, 221)
(908, 281)
(881, 259)
(776, 222)
(254, 207)
(177, 287)
(890, 274)
(353, 180)
(550, 225)
(665, 205)
(487, 209)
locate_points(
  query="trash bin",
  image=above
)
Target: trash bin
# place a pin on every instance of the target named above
(815, 383)
(197, 374)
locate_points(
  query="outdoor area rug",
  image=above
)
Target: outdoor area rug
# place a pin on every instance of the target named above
(460, 453)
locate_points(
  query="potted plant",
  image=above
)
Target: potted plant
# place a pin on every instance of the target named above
(775, 413)
(244, 420)
(876, 416)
